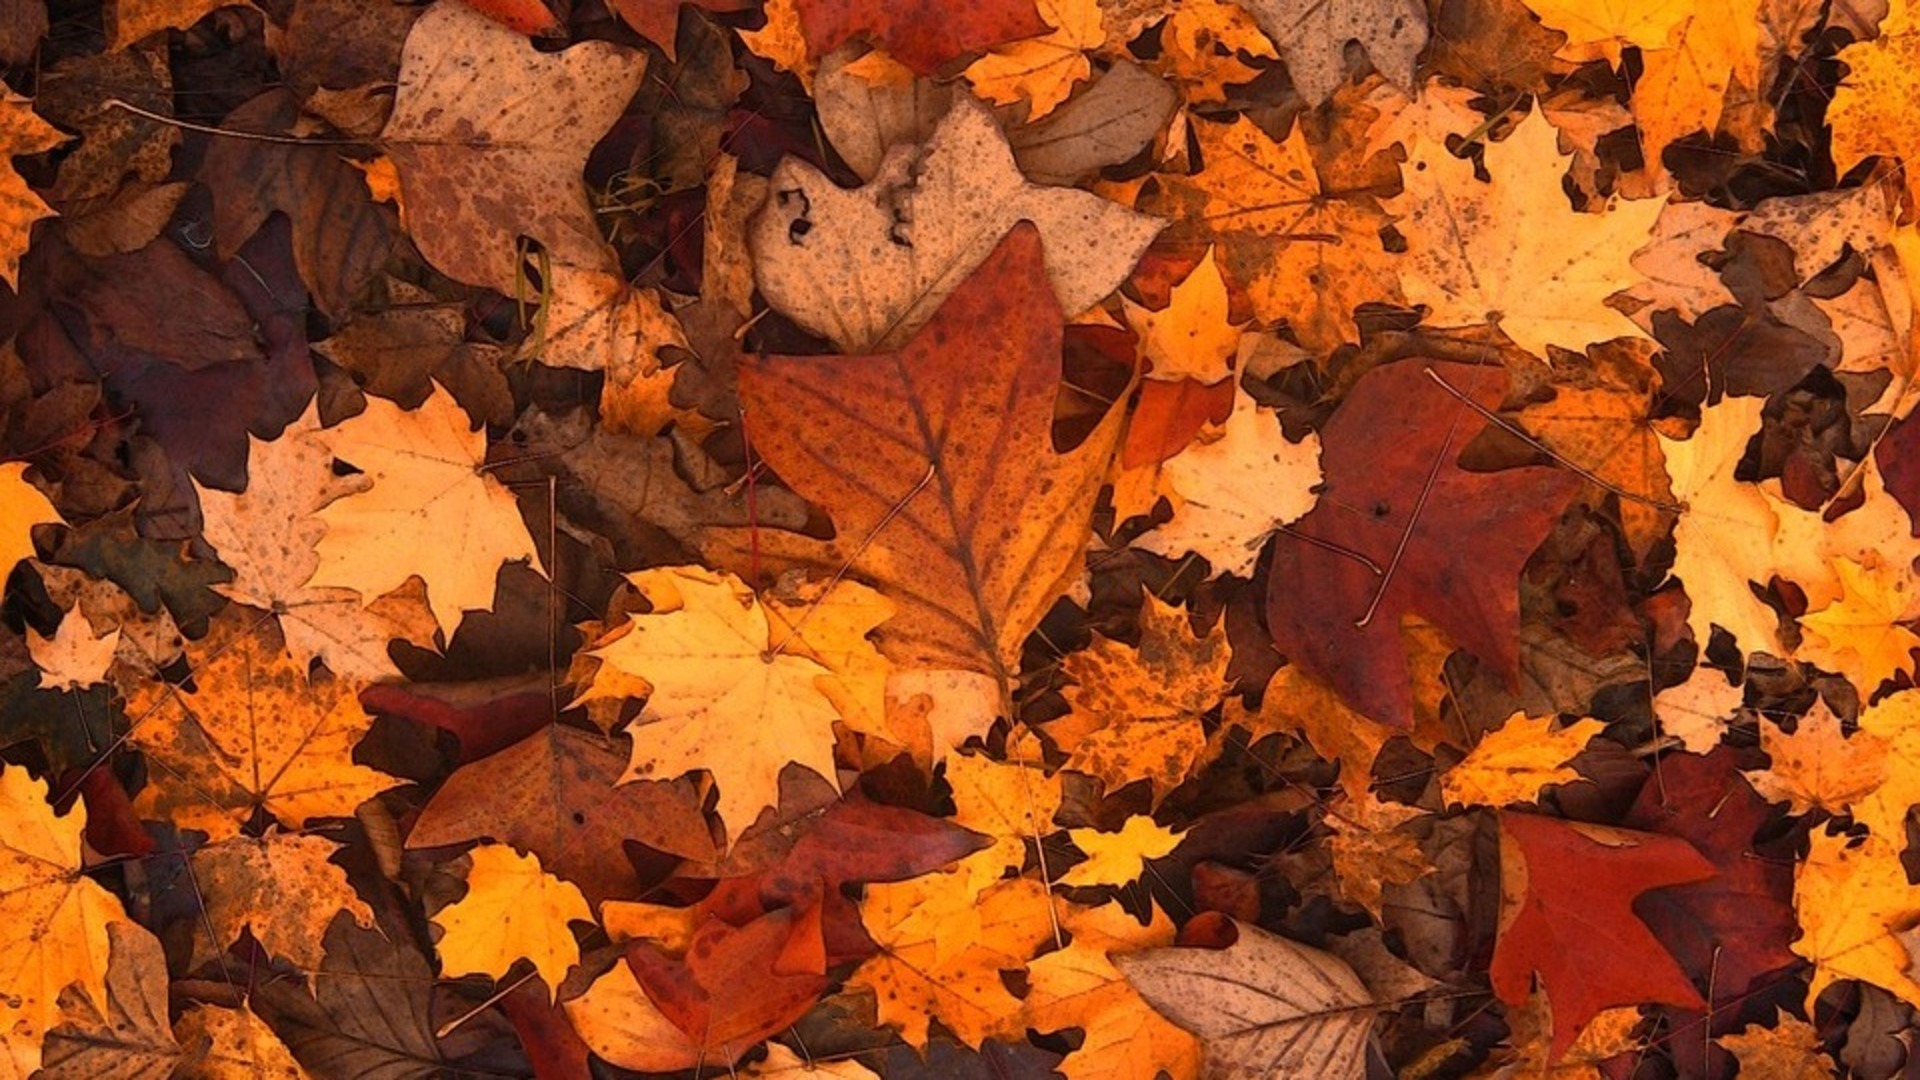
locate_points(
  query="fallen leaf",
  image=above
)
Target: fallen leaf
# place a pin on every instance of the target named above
(1512, 763)
(513, 910)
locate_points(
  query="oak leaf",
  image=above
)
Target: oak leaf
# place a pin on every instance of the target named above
(868, 268)
(490, 137)
(1395, 496)
(721, 699)
(1511, 251)
(1567, 892)
(428, 496)
(1514, 762)
(937, 465)
(513, 910)
(57, 917)
(1263, 1006)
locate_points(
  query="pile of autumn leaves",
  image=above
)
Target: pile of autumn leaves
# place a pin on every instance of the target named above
(735, 716)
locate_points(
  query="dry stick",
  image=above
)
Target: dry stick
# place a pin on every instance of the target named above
(209, 129)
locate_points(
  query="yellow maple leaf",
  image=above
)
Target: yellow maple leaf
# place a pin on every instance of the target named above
(281, 889)
(942, 948)
(1785, 1049)
(55, 916)
(430, 509)
(74, 657)
(254, 734)
(1370, 850)
(1725, 541)
(1116, 858)
(1850, 898)
(1192, 337)
(22, 132)
(237, 1045)
(1042, 70)
(829, 623)
(1511, 765)
(1511, 251)
(1895, 721)
(1861, 634)
(1818, 765)
(1009, 803)
(1684, 81)
(22, 506)
(721, 699)
(1136, 711)
(1602, 29)
(1201, 44)
(1122, 1037)
(1871, 109)
(513, 910)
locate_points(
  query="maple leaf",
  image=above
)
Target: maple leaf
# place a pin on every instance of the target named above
(922, 34)
(74, 658)
(1395, 497)
(1511, 251)
(1697, 711)
(1865, 114)
(1264, 1006)
(1234, 489)
(1192, 337)
(1136, 711)
(1512, 763)
(281, 889)
(236, 1043)
(1860, 635)
(1726, 539)
(1116, 858)
(22, 132)
(1787, 1047)
(1080, 986)
(960, 512)
(22, 507)
(1008, 803)
(427, 492)
(931, 219)
(489, 137)
(1818, 765)
(57, 917)
(721, 699)
(1733, 929)
(1854, 902)
(269, 535)
(255, 735)
(1042, 70)
(1370, 850)
(512, 910)
(552, 795)
(1567, 898)
(943, 946)
(1312, 39)
(1302, 252)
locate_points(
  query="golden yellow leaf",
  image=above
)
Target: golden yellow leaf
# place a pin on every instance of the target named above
(1370, 851)
(74, 657)
(1895, 721)
(1603, 29)
(1860, 635)
(592, 319)
(253, 734)
(783, 41)
(55, 917)
(1201, 45)
(430, 509)
(620, 1024)
(1122, 1038)
(1817, 765)
(132, 1039)
(1850, 898)
(721, 699)
(942, 949)
(1870, 112)
(1116, 858)
(1512, 251)
(1512, 764)
(135, 20)
(22, 132)
(239, 1046)
(281, 889)
(1788, 1049)
(1009, 803)
(1192, 337)
(1529, 1057)
(1684, 84)
(1725, 540)
(1136, 711)
(513, 910)
(1041, 71)
(782, 1063)
(828, 623)
(21, 504)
